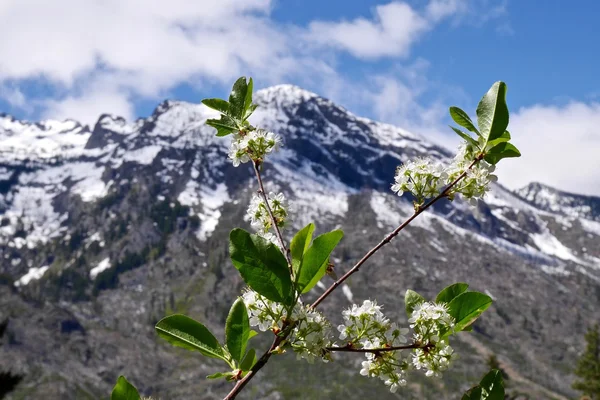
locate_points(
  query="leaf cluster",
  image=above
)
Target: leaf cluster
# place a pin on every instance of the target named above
(236, 111)
(491, 137)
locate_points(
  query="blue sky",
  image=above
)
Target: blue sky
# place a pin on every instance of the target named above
(402, 62)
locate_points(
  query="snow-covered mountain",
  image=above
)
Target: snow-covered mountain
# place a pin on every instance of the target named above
(104, 231)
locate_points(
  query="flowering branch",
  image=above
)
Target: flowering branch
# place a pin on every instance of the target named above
(396, 231)
(277, 276)
(284, 249)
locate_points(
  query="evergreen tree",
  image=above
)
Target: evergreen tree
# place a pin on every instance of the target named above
(588, 367)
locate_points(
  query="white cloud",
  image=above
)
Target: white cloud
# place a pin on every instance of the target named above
(559, 147)
(88, 107)
(395, 27)
(97, 56)
(13, 96)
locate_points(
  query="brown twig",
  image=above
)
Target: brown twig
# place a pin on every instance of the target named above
(392, 235)
(273, 220)
(351, 349)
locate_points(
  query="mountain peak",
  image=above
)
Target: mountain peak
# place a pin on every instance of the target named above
(551, 199)
(283, 95)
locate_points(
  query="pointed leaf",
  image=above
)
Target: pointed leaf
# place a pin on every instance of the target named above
(252, 333)
(465, 136)
(314, 262)
(300, 243)
(505, 137)
(224, 126)
(185, 332)
(220, 105)
(450, 292)
(261, 265)
(473, 394)
(467, 307)
(237, 330)
(249, 111)
(500, 151)
(463, 119)
(492, 112)
(219, 375)
(124, 390)
(237, 98)
(248, 98)
(411, 300)
(492, 385)
(248, 361)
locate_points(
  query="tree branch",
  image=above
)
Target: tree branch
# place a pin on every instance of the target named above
(392, 235)
(286, 332)
(351, 349)
(273, 220)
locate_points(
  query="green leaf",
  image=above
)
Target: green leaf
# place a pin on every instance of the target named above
(237, 98)
(124, 390)
(248, 98)
(248, 361)
(314, 262)
(450, 292)
(491, 387)
(252, 333)
(411, 300)
(219, 375)
(500, 151)
(473, 394)
(185, 332)
(261, 265)
(224, 126)
(463, 119)
(465, 136)
(237, 330)
(492, 112)
(300, 244)
(467, 307)
(220, 105)
(249, 111)
(505, 137)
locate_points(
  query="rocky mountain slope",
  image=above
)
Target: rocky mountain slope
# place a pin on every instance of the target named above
(105, 231)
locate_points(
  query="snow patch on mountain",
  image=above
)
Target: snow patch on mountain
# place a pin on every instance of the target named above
(144, 155)
(32, 274)
(102, 266)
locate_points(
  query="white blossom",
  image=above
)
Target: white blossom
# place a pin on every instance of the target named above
(262, 312)
(431, 322)
(253, 145)
(476, 183)
(311, 335)
(424, 178)
(259, 216)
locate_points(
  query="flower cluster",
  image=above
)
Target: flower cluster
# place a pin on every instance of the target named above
(422, 177)
(262, 312)
(311, 335)
(425, 178)
(253, 145)
(259, 215)
(384, 365)
(431, 322)
(476, 183)
(312, 332)
(367, 327)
